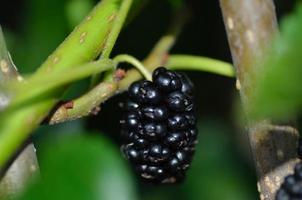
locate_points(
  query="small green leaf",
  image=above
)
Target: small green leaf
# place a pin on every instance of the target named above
(279, 91)
(81, 167)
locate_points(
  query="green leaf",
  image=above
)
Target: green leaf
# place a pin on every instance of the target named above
(217, 171)
(82, 167)
(279, 91)
(44, 26)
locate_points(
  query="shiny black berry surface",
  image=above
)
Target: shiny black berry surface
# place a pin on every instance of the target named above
(159, 126)
(291, 188)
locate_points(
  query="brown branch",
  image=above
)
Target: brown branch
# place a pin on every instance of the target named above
(22, 171)
(250, 26)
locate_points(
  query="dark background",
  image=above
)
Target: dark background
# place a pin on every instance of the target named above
(223, 169)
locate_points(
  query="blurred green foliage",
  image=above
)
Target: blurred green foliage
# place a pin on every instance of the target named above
(217, 172)
(41, 33)
(81, 167)
(279, 91)
(71, 165)
(76, 10)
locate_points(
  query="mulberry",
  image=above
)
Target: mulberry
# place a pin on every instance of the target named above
(159, 126)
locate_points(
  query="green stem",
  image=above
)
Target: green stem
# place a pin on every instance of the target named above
(17, 126)
(136, 63)
(85, 105)
(189, 62)
(159, 54)
(83, 45)
(38, 85)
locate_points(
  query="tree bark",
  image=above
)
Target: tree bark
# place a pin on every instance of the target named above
(22, 170)
(25, 165)
(250, 27)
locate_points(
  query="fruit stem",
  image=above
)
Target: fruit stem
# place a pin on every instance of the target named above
(159, 53)
(136, 63)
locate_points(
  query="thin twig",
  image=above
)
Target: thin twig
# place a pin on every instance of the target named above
(136, 63)
(160, 53)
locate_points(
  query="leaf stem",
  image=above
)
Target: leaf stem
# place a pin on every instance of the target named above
(190, 62)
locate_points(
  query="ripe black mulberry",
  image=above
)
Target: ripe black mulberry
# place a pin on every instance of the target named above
(159, 126)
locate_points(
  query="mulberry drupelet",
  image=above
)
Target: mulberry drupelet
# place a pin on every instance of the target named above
(159, 126)
(291, 188)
